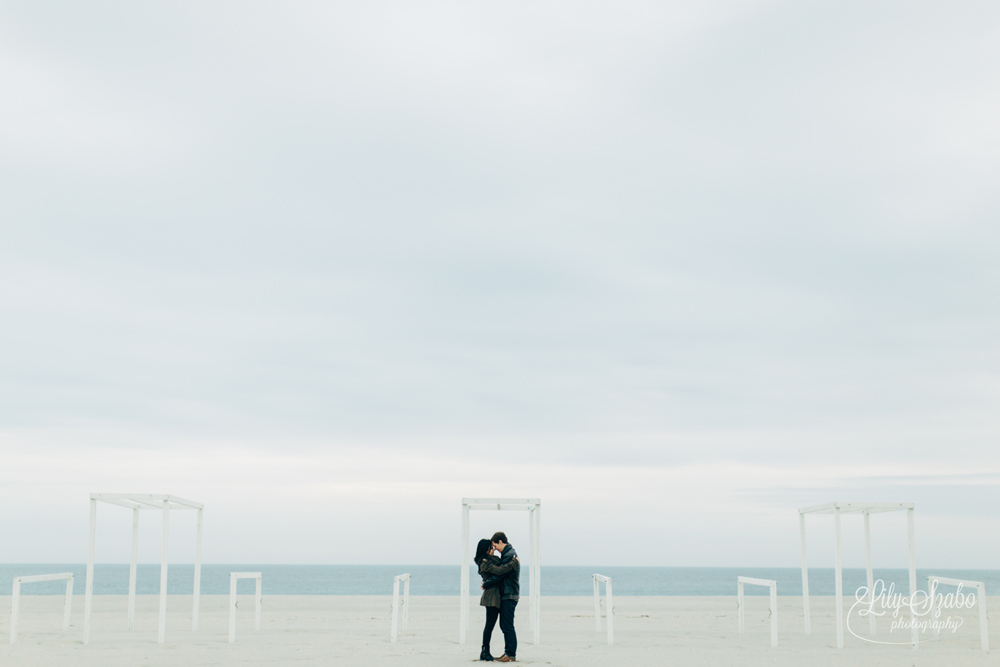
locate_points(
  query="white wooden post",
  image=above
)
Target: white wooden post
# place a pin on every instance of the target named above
(772, 603)
(838, 579)
(406, 602)
(739, 605)
(805, 573)
(89, 587)
(397, 580)
(232, 607)
(609, 605)
(133, 564)
(69, 602)
(536, 563)
(597, 604)
(868, 569)
(774, 614)
(463, 595)
(984, 627)
(197, 572)
(15, 602)
(15, 608)
(258, 602)
(913, 575)
(162, 633)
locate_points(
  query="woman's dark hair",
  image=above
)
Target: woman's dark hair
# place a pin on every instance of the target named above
(482, 549)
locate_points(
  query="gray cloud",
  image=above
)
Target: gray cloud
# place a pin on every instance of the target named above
(754, 232)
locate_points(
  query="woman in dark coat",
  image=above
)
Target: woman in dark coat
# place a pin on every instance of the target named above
(492, 573)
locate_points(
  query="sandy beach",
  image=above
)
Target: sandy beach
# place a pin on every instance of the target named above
(323, 630)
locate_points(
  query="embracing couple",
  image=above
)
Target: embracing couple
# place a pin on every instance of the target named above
(500, 569)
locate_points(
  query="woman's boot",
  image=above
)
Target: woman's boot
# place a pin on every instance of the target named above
(485, 655)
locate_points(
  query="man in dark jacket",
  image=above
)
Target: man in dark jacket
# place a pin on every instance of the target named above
(510, 589)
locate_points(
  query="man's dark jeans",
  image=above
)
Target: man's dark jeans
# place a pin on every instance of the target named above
(507, 626)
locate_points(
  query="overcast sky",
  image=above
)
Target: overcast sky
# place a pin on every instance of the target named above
(675, 268)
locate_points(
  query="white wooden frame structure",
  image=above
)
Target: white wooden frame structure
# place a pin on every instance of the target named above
(233, 578)
(773, 604)
(609, 605)
(984, 627)
(396, 625)
(136, 502)
(533, 506)
(15, 598)
(867, 509)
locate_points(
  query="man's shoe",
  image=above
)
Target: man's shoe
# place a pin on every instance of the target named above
(506, 658)
(485, 654)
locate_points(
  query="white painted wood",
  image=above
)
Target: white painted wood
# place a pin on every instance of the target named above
(536, 562)
(984, 629)
(133, 565)
(15, 609)
(609, 605)
(15, 601)
(533, 507)
(838, 579)
(161, 634)
(532, 612)
(911, 535)
(741, 623)
(774, 615)
(232, 607)
(197, 571)
(258, 600)
(397, 610)
(805, 574)
(866, 509)
(164, 503)
(772, 608)
(597, 604)
(868, 569)
(829, 508)
(89, 585)
(463, 623)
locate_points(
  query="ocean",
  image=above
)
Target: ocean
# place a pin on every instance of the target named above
(111, 579)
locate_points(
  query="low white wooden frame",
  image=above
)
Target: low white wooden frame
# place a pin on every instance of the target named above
(609, 605)
(773, 608)
(233, 578)
(15, 599)
(866, 509)
(396, 624)
(533, 506)
(136, 502)
(984, 628)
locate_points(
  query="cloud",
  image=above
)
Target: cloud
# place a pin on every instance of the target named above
(688, 239)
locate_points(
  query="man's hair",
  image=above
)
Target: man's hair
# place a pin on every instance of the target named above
(499, 537)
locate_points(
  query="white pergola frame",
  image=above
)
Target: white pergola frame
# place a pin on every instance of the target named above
(15, 598)
(396, 624)
(772, 585)
(533, 506)
(609, 605)
(867, 509)
(984, 627)
(137, 502)
(233, 578)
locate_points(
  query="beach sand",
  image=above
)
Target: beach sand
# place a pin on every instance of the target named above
(354, 630)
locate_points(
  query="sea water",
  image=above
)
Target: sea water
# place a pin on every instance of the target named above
(110, 579)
